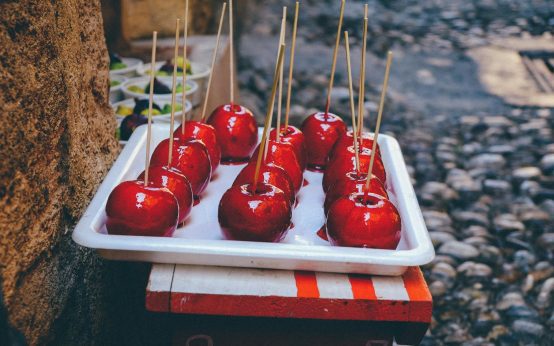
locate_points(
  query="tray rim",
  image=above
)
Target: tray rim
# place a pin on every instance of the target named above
(85, 235)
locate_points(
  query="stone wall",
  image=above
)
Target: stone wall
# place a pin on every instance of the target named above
(56, 144)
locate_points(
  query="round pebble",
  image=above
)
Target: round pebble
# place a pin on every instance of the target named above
(459, 250)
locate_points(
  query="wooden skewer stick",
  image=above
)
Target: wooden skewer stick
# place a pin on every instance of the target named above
(214, 55)
(351, 92)
(174, 88)
(231, 52)
(361, 96)
(379, 116)
(151, 101)
(268, 115)
(334, 64)
(281, 41)
(291, 65)
(280, 97)
(183, 101)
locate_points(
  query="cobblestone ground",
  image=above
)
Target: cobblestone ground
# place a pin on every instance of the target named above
(483, 170)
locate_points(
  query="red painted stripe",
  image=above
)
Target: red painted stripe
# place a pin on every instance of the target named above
(306, 284)
(415, 285)
(362, 287)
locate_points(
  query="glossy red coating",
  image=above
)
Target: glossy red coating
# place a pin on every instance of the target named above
(295, 137)
(364, 220)
(190, 157)
(269, 174)
(176, 182)
(345, 162)
(135, 209)
(261, 216)
(204, 133)
(237, 132)
(321, 131)
(347, 140)
(353, 182)
(282, 154)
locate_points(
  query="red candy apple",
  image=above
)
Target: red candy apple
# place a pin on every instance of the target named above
(176, 182)
(295, 137)
(269, 174)
(353, 182)
(364, 220)
(347, 140)
(261, 215)
(321, 131)
(135, 209)
(190, 157)
(204, 133)
(236, 131)
(345, 162)
(282, 154)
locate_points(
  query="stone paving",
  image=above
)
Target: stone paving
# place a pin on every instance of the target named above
(483, 170)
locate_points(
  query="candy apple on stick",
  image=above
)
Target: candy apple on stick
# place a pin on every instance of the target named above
(140, 207)
(322, 129)
(345, 161)
(198, 129)
(268, 171)
(288, 133)
(365, 140)
(342, 161)
(167, 176)
(269, 174)
(365, 219)
(234, 124)
(177, 183)
(189, 156)
(282, 154)
(256, 211)
(353, 181)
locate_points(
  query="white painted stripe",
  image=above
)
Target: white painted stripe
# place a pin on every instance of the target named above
(234, 281)
(389, 288)
(160, 278)
(333, 286)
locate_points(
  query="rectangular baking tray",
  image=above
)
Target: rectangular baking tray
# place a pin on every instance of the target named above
(200, 241)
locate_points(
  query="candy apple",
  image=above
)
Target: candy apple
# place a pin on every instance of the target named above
(269, 174)
(237, 132)
(347, 140)
(190, 157)
(176, 182)
(353, 182)
(260, 215)
(345, 162)
(364, 220)
(295, 137)
(282, 154)
(204, 133)
(321, 131)
(136, 209)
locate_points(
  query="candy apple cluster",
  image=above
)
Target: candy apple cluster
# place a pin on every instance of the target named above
(156, 209)
(262, 210)
(358, 212)
(259, 204)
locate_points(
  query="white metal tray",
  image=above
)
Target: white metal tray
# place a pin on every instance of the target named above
(200, 240)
